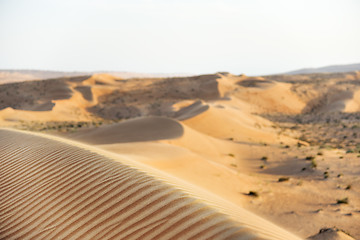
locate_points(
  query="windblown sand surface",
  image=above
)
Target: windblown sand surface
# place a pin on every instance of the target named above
(282, 147)
(51, 189)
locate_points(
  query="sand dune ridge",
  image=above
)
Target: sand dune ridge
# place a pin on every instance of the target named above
(57, 190)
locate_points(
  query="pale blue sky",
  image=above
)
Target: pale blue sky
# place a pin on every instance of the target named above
(187, 36)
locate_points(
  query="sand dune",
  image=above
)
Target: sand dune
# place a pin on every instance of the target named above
(188, 109)
(331, 234)
(10, 76)
(52, 188)
(224, 122)
(135, 130)
(158, 130)
(342, 101)
(269, 96)
(103, 96)
(231, 135)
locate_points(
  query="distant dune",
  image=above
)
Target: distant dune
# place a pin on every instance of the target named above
(8, 76)
(328, 69)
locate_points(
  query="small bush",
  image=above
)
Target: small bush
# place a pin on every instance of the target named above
(231, 155)
(313, 164)
(342, 201)
(326, 174)
(348, 187)
(253, 193)
(310, 158)
(264, 158)
(283, 179)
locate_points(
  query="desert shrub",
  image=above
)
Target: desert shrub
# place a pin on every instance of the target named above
(342, 201)
(313, 163)
(283, 179)
(253, 193)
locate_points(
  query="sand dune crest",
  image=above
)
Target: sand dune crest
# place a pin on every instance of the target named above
(134, 130)
(53, 190)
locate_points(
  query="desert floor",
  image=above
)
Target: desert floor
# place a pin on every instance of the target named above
(281, 147)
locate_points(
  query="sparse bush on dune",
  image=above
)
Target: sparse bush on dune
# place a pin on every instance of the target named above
(313, 163)
(343, 200)
(233, 165)
(283, 179)
(58, 126)
(253, 194)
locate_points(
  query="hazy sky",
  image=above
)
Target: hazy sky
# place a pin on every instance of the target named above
(182, 36)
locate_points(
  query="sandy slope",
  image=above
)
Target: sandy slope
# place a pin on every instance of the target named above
(331, 234)
(228, 169)
(53, 188)
(224, 122)
(206, 132)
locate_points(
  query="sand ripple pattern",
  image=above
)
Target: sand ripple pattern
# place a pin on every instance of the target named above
(53, 190)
